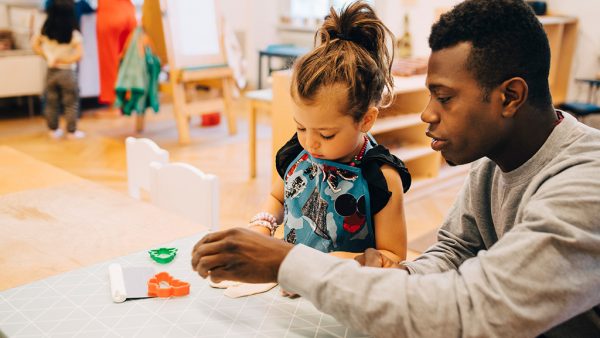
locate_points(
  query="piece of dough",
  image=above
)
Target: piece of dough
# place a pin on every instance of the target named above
(246, 289)
(224, 284)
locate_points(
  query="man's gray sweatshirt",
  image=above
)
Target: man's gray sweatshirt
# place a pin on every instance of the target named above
(517, 256)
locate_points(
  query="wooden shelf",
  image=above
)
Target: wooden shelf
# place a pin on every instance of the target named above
(556, 20)
(402, 121)
(411, 152)
(423, 186)
(562, 37)
(409, 84)
(399, 126)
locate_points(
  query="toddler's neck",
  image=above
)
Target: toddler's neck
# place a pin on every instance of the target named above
(358, 157)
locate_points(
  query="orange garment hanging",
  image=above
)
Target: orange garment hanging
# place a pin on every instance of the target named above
(115, 22)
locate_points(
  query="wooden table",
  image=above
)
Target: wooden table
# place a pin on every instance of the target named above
(52, 221)
(59, 233)
(258, 100)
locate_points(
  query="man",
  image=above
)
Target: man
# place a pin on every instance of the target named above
(519, 253)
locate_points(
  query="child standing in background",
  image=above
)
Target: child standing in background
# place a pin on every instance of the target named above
(60, 43)
(340, 192)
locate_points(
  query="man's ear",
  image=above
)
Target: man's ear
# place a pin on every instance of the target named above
(369, 119)
(514, 92)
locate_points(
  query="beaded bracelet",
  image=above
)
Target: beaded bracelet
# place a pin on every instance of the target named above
(266, 220)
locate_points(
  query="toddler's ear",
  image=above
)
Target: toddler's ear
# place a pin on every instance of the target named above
(369, 119)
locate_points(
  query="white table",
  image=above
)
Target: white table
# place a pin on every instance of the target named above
(78, 303)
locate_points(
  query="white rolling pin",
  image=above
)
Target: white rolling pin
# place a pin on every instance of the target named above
(117, 283)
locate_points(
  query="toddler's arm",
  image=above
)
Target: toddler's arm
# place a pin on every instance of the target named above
(390, 223)
(273, 205)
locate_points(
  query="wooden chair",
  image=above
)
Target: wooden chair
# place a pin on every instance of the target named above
(184, 189)
(172, 28)
(140, 153)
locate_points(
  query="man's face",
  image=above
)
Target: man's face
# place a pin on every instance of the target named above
(462, 125)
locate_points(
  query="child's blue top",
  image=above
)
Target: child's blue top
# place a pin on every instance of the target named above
(329, 206)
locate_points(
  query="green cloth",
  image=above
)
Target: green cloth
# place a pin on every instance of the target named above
(138, 78)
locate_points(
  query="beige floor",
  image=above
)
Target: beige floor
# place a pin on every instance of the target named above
(100, 157)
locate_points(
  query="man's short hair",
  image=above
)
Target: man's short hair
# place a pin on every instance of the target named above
(507, 41)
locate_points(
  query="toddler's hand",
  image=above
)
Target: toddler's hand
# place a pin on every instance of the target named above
(373, 258)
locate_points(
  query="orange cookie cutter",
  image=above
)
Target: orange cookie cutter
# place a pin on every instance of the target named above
(175, 288)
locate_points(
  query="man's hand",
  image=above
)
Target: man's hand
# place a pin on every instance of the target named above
(239, 255)
(373, 258)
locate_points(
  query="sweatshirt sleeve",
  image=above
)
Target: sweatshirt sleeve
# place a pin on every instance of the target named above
(543, 272)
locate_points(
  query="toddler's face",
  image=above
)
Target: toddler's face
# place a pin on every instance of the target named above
(324, 130)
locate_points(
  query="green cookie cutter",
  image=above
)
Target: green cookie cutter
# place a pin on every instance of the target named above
(163, 255)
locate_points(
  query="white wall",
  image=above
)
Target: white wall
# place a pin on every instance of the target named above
(422, 14)
(3, 16)
(255, 22)
(586, 60)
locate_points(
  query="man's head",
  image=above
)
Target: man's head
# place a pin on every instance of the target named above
(490, 58)
(507, 41)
